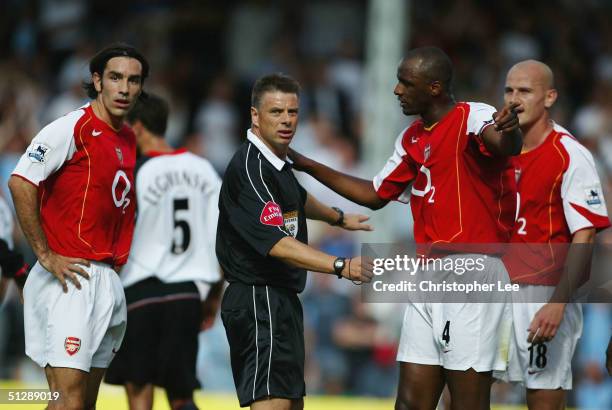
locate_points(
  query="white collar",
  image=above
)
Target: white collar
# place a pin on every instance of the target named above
(267, 152)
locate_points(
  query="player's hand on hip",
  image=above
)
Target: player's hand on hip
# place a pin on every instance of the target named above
(545, 323)
(64, 268)
(359, 269)
(507, 119)
(300, 162)
(355, 222)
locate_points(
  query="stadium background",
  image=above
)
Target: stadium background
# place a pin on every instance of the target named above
(205, 56)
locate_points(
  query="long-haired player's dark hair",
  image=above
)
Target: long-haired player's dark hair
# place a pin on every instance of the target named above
(99, 61)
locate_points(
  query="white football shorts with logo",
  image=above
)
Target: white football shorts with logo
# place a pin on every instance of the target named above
(460, 336)
(80, 329)
(544, 365)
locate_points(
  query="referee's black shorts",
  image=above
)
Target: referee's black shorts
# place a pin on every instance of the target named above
(265, 330)
(161, 340)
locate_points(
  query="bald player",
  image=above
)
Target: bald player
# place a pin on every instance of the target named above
(560, 201)
(452, 165)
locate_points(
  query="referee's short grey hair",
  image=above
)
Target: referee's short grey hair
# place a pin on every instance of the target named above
(273, 82)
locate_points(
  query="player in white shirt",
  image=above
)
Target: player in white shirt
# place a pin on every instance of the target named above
(172, 278)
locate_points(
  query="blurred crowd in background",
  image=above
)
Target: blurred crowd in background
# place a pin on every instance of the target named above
(205, 56)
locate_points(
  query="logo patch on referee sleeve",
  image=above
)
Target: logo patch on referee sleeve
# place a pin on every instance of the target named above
(291, 222)
(38, 152)
(271, 215)
(72, 345)
(593, 196)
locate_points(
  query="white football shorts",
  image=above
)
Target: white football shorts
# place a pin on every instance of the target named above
(80, 329)
(460, 336)
(545, 365)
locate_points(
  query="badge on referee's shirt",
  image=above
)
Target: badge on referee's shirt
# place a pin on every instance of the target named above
(291, 222)
(271, 215)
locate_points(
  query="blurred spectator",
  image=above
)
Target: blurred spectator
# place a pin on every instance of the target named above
(326, 307)
(594, 389)
(216, 122)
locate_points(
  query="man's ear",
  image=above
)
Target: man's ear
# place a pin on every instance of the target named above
(97, 81)
(254, 117)
(435, 88)
(550, 98)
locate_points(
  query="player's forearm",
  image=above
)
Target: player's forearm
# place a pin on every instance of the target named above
(577, 264)
(319, 211)
(299, 255)
(25, 198)
(360, 191)
(511, 142)
(503, 144)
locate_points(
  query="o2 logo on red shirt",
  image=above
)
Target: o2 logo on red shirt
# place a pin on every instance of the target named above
(121, 180)
(428, 187)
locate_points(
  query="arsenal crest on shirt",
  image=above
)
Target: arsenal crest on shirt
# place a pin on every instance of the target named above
(72, 345)
(119, 154)
(427, 152)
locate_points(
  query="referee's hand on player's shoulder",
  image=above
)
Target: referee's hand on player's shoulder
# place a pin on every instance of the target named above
(359, 269)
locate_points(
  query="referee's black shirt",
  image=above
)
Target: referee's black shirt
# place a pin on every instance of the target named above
(260, 203)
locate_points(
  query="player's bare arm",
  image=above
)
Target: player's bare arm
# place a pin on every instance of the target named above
(360, 191)
(504, 138)
(210, 305)
(25, 198)
(321, 212)
(295, 253)
(546, 321)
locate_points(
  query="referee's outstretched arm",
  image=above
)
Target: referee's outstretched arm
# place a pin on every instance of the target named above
(295, 253)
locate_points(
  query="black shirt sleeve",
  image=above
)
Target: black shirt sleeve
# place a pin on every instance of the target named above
(303, 192)
(254, 211)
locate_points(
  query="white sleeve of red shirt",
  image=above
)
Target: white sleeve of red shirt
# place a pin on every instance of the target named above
(49, 150)
(481, 116)
(583, 200)
(393, 182)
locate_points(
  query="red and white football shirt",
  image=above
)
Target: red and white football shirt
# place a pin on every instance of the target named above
(559, 193)
(459, 192)
(84, 171)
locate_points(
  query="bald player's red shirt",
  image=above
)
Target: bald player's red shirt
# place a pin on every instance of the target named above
(559, 193)
(459, 193)
(84, 171)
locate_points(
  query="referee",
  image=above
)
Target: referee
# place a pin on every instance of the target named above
(262, 248)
